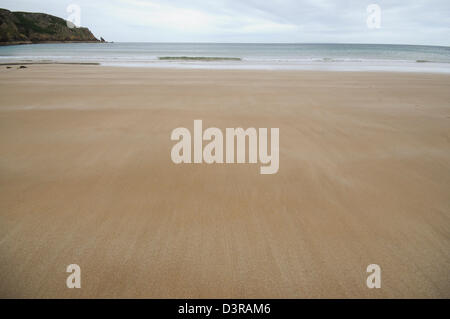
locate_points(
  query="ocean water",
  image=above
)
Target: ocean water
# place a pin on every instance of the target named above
(338, 57)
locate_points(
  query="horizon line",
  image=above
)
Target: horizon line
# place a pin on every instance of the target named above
(207, 42)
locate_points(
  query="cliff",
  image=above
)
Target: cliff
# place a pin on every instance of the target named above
(24, 27)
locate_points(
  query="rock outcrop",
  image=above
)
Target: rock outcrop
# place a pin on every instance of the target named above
(25, 27)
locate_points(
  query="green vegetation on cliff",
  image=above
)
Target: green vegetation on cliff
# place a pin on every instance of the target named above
(25, 27)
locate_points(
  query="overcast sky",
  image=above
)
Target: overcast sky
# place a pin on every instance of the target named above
(341, 21)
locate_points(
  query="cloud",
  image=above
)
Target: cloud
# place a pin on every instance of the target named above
(414, 21)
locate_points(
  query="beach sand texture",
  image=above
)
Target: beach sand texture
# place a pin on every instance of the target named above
(86, 177)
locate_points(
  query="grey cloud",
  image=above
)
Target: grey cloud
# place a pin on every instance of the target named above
(414, 21)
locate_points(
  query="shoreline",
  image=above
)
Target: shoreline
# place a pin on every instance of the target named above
(236, 65)
(173, 69)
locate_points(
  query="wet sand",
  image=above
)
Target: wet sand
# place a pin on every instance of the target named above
(86, 178)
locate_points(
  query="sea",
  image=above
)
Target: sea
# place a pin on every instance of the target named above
(264, 56)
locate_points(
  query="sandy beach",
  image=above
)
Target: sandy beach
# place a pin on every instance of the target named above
(86, 178)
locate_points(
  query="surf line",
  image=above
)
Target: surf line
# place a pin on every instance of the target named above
(213, 151)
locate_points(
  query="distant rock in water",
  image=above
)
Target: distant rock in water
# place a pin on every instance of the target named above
(25, 28)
